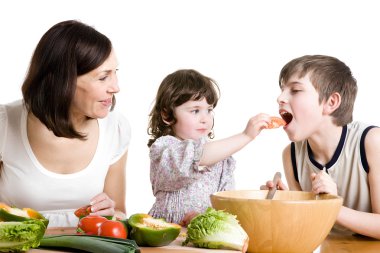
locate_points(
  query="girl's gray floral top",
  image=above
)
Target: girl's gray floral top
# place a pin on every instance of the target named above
(178, 182)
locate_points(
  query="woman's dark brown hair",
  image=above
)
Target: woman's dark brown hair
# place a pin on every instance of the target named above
(67, 50)
(176, 89)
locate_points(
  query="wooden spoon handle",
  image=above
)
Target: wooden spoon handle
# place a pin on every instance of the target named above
(272, 191)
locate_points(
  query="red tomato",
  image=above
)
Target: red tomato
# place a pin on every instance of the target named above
(83, 211)
(90, 224)
(113, 228)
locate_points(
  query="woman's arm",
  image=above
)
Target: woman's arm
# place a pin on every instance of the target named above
(361, 222)
(112, 200)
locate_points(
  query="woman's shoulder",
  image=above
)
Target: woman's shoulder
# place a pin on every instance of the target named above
(11, 110)
(116, 120)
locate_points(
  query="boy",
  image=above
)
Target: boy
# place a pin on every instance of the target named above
(329, 152)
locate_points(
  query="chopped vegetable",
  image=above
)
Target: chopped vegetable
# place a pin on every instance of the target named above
(216, 230)
(148, 231)
(89, 243)
(8, 213)
(83, 211)
(113, 228)
(18, 236)
(90, 224)
(276, 122)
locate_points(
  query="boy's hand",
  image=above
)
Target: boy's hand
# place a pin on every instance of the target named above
(269, 185)
(323, 183)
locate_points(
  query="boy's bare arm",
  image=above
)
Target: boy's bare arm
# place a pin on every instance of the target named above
(372, 148)
(288, 169)
(361, 222)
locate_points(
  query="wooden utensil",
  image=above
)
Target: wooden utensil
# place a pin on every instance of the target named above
(271, 192)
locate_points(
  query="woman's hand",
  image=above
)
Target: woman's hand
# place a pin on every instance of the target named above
(102, 205)
(323, 183)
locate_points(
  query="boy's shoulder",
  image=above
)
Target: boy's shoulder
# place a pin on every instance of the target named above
(360, 126)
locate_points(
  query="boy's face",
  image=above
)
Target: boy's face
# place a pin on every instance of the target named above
(300, 108)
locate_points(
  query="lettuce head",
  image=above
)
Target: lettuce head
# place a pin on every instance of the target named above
(216, 230)
(18, 236)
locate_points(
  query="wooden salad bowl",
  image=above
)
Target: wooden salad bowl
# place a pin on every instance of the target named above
(293, 221)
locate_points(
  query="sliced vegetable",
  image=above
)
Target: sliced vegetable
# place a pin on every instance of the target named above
(148, 231)
(90, 224)
(83, 211)
(18, 236)
(113, 228)
(276, 122)
(216, 230)
(88, 243)
(8, 213)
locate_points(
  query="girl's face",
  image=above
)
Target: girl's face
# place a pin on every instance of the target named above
(300, 107)
(194, 119)
(95, 90)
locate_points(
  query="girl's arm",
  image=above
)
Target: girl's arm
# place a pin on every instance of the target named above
(216, 151)
(112, 200)
(361, 222)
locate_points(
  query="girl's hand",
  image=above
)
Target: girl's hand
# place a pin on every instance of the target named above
(323, 183)
(256, 124)
(187, 218)
(102, 205)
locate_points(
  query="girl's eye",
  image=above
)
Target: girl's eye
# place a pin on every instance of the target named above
(195, 111)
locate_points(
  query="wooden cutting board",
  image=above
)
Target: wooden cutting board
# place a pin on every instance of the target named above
(175, 246)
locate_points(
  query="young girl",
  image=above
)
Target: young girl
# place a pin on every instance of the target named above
(185, 167)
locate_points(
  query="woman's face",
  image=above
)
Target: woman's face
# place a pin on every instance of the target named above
(95, 90)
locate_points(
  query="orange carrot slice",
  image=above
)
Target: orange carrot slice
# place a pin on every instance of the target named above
(276, 122)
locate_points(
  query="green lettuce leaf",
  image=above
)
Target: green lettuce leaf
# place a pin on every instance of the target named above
(215, 230)
(16, 236)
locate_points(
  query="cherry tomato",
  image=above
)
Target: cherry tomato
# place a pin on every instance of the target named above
(113, 228)
(90, 224)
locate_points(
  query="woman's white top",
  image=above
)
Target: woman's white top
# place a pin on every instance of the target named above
(24, 182)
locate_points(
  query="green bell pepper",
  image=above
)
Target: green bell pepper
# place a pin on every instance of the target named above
(149, 231)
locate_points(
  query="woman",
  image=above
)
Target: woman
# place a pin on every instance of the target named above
(63, 146)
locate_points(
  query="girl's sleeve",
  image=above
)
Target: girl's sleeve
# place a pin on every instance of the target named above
(175, 163)
(227, 181)
(3, 125)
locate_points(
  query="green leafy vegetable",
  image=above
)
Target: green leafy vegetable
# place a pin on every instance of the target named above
(216, 230)
(16, 236)
(90, 243)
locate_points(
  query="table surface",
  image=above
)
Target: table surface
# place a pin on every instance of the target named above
(334, 243)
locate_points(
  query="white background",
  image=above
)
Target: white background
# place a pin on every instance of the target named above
(241, 44)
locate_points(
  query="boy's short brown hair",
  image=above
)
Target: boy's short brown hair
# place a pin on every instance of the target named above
(328, 75)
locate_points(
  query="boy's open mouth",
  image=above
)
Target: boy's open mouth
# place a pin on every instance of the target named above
(287, 116)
